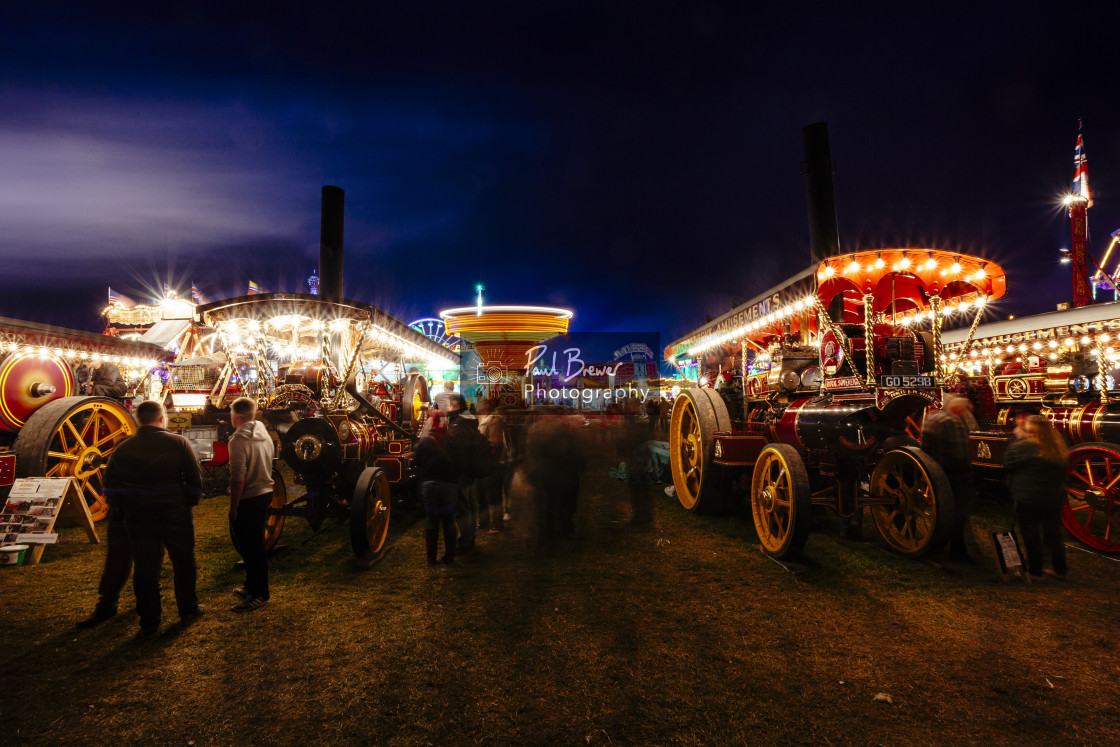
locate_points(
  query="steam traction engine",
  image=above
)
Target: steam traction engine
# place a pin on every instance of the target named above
(810, 388)
(345, 432)
(49, 425)
(1051, 364)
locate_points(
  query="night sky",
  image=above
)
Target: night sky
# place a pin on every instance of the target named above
(636, 161)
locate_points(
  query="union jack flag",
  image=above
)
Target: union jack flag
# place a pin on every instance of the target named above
(254, 289)
(197, 296)
(1081, 172)
(120, 299)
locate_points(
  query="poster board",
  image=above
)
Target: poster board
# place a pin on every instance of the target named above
(1007, 552)
(33, 507)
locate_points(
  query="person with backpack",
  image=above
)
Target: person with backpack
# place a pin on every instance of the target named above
(472, 454)
(438, 478)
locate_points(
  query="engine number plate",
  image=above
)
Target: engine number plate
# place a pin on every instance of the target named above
(909, 381)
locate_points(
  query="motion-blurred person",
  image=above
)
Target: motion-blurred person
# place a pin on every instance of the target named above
(664, 410)
(632, 437)
(552, 468)
(463, 444)
(490, 488)
(945, 438)
(1035, 465)
(439, 488)
(441, 399)
(653, 412)
(250, 494)
(154, 476)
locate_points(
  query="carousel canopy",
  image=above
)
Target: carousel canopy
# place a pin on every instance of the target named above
(293, 324)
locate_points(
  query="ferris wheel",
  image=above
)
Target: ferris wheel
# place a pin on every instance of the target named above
(435, 331)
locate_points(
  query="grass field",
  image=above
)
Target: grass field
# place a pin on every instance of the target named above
(680, 634)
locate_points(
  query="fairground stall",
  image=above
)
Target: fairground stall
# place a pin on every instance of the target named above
(810, 387)
(50, 423)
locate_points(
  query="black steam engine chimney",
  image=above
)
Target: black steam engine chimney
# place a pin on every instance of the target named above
(330, 244)
(824, 236)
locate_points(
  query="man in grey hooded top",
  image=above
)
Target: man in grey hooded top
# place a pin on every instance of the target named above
(250, 494)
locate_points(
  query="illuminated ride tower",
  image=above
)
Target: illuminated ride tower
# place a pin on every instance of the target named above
(502, 336)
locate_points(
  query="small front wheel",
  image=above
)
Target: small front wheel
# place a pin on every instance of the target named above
(780, 501)
(369, 513)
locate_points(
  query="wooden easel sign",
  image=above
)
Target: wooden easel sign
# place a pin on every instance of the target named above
(1007, 552)
(33, 507)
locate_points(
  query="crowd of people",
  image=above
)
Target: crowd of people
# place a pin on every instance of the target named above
(473, 467)
(477, 471)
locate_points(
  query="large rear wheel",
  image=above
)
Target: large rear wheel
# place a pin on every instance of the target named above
(74, 437)
(1092, 509)
(780, 501)
(922, 510)
(369, 513)
(697, 415)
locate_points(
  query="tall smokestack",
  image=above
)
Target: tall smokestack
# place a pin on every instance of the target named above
(330, 244)
(824, 236)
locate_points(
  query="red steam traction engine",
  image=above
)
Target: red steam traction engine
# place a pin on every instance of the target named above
(811, 387)
(349, 444)
(49, 425)
(1051, 364)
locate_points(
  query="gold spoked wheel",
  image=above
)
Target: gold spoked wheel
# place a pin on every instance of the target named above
(274, 522)
(922, 511)
(780, 501)
(74, 437)
(369, 513)
(697, 415)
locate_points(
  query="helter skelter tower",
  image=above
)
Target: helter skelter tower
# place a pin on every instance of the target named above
(503, 336)
(1079, 202)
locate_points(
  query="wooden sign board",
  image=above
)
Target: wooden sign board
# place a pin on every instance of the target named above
(1007, 552)
(33, 507)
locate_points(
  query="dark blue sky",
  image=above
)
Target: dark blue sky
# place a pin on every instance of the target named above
(637, 161)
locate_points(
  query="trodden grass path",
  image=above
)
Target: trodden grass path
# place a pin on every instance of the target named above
(679, 634)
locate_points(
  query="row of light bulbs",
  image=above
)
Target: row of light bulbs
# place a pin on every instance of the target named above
(13, 347)
(761, 323)
(929, 265)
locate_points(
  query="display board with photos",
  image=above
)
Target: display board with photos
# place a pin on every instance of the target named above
(35, 504)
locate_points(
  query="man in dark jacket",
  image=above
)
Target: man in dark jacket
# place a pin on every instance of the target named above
(945, 438)
(154, 478)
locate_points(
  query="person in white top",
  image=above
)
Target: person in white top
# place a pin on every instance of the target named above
(250, 494)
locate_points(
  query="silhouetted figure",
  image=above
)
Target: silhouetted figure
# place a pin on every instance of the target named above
(118, 567)
(1035, 467)
(154, 476)
(490, 488)
(438, 477)
(552, 468)
(945, 438)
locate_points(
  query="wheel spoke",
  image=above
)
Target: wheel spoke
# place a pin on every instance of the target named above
(63, 455)
(1089, 471)
(77, 436)
(111, 437)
